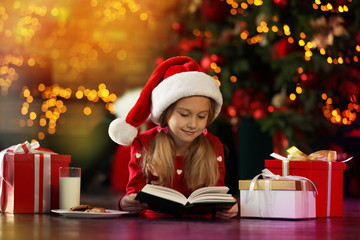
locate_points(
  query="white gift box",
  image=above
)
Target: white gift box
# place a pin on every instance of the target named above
(287, 199)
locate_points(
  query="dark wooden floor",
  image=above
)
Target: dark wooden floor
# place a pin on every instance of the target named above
(52, 226)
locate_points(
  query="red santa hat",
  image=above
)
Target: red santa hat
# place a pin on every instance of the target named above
(173, 79)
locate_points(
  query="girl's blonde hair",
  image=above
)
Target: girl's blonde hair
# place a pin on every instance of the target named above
(201, 167)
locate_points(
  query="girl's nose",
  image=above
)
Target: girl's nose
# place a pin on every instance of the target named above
(191, 122)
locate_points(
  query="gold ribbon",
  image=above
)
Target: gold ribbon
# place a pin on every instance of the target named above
(322, 155)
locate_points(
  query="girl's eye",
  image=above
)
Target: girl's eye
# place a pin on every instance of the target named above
(183, 114)
(202, 117)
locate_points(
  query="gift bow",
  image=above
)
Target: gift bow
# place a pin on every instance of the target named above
(296, 154)
(25, 148)
(268, 175)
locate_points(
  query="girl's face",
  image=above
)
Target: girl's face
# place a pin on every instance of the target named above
(188, 119)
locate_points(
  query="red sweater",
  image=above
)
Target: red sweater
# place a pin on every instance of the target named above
(137, 180)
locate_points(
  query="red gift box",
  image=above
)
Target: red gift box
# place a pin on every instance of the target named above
(327, 175)
(30, 179)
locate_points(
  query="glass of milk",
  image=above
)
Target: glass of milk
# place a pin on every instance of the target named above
(69, 187)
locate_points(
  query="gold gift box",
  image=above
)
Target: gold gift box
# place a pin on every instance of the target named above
(286, 185)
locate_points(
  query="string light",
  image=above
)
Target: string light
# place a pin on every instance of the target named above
(53, 105)
(337, 116)
(328, 7)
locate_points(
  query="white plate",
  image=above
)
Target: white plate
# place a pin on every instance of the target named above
(108, 214)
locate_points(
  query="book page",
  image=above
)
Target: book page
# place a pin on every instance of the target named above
(213, 198)
(166, 193)
(209, 191)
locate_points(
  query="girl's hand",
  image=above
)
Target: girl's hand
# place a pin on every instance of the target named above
(129, 204)
(227, 213)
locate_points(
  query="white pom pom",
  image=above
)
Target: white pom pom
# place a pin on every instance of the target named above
(122, 132)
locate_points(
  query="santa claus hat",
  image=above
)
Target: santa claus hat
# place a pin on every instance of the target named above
(173, 79)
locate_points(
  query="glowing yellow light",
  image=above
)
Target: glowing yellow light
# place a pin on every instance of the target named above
(87, 111)
(51, 130)
(31, 62)
(79, 94)
(324, 96)
(292, 97)
(340, 60)
(334, 113)
(244, 35)
(308, 54)
(48, 114)
(329, 60)
(42, 122)
(30, 99)
(112, 97)
(259, 29)
(286, 28)
(244, 5)
(302, 35)
(274, 28)
(41, 87)
(102, 86)
(24, 111)
(55, 12)
(299, 90)
(233, 79)
(41, 135)
(301, 42)
(144, 16)
(26, 93)
(32, 115)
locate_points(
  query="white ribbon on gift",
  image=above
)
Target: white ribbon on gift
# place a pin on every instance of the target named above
(285, 172)
(26, 148)
(267, 175)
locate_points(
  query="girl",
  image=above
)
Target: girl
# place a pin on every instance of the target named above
(179, 152)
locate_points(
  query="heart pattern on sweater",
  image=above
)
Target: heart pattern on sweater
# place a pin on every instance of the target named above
(219, 159)
(138, 155)
(179, 171)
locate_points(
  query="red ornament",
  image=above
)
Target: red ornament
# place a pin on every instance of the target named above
(283, 48)
(241, 100)
(215, 10)
(159, 60)
(188, 45)
(205, 62)
(178, 27)
(281, 3)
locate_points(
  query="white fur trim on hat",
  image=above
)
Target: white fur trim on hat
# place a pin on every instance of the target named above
(184, 84)
(122, 132)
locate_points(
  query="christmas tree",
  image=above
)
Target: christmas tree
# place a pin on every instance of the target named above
(292, 65)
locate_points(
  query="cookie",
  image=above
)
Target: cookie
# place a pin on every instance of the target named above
(96, 210)
(80, 208)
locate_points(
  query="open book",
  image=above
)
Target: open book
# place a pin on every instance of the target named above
(201, 201)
